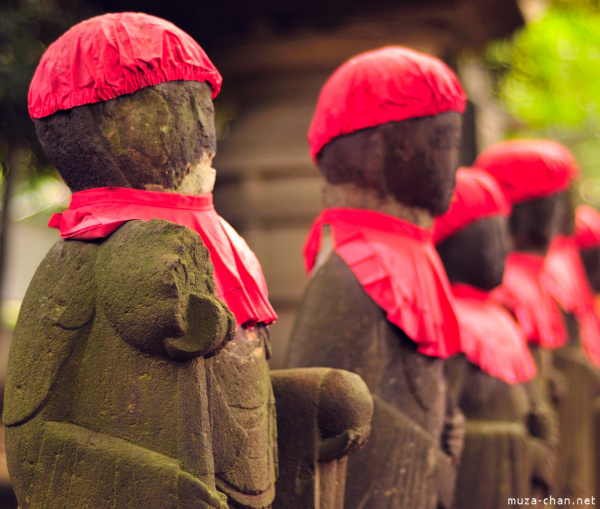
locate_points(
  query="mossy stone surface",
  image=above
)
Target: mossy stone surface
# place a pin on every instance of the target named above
(107, 402)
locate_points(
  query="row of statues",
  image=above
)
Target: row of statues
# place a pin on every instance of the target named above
(430, 365)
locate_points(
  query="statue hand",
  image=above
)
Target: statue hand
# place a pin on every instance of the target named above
(543, 424)
(209, 327)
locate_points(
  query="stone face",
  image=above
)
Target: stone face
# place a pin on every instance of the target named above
(479, 263)
(534, 223)
(107, 380)
(412, 162)
(153, 137)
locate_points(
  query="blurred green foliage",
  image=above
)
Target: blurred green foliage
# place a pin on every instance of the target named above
(549, 78)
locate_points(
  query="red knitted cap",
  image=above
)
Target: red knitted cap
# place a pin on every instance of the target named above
(388, 84)
(112, 55)
(587, 227)
(529, 169)
(476, 195)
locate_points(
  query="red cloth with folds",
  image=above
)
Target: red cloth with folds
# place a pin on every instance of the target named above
(239, 281)
(115, 54)
(587, 227)
(523, 294)
(490, 337)
(565, 279)
(380, 86)
(397, 265)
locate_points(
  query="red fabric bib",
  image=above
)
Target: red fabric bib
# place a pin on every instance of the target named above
(565, 279)
(239, 281)
(397, 265)
(490, 338)
(522, 293)
(587, 227)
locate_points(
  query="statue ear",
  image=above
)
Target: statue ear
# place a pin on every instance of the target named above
(53, 322)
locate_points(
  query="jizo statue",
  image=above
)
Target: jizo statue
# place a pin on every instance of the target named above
(566, 279)
(587, 238)
(385, 135)
(138, 375)
(506, 452)
(534, 175)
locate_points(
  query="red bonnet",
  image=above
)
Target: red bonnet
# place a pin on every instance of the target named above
(529, 169)
(385, 85)
(115, 54)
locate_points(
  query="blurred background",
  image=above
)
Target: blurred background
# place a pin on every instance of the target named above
(530, 68)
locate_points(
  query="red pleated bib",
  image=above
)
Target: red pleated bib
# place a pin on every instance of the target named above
(239, 281)
(565, 279)
(397, 265)
(490, 337)
(523, 294)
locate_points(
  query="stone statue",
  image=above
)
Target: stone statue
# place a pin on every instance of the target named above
(385, 136)
(508, 451)
(138, 375)
(578, 361)
(533, 175)
(587, 238)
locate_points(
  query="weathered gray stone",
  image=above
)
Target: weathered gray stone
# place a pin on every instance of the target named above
(106, 396)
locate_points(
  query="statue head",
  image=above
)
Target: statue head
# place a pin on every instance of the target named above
(535, 176)
(587, 236)
(389, 121)
(471, 237)
(125, 100)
